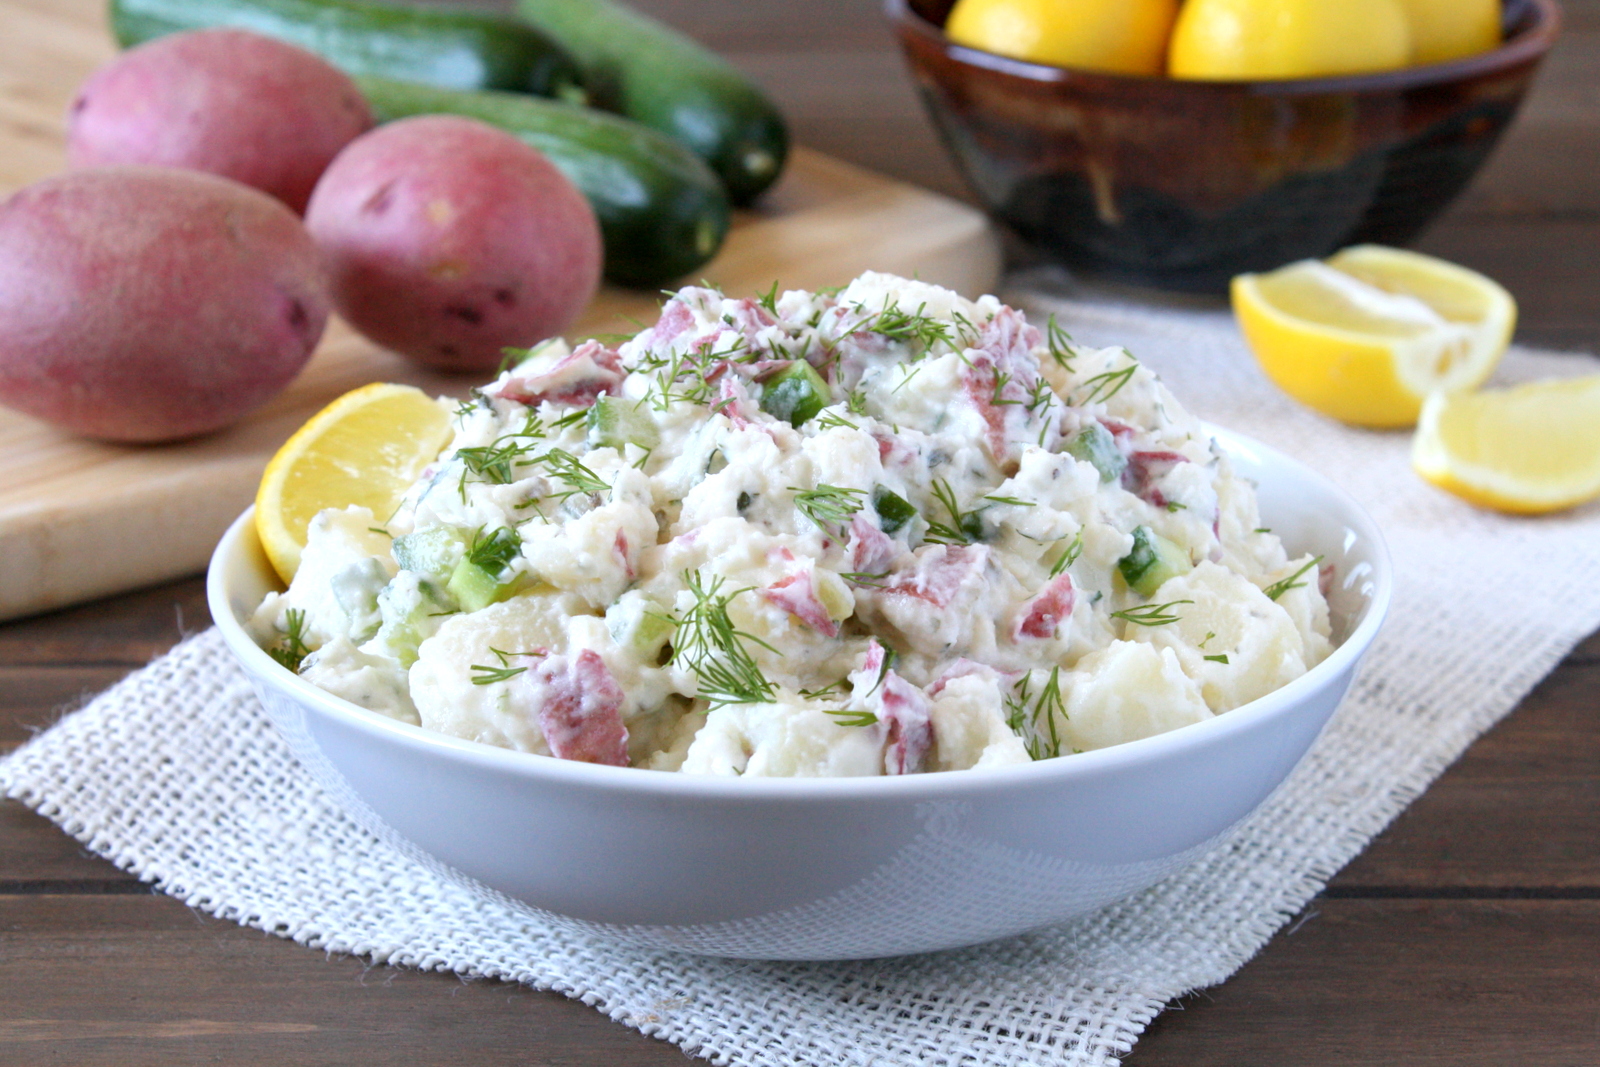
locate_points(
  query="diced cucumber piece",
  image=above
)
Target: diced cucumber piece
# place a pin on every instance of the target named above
(1153, 560)
(614, 422)
(435, 550)
(475, 587)
(795, 394)
(893, 509)
(355, 589)
(413, 609)
(1094, 444)
(640, 625)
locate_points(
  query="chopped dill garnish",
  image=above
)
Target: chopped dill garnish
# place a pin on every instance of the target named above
(871, 581)
(898, 324)
(380, 530)
(852, 717)
(890, 657)
(1173, 505)
(963, 527)
(1011, 500)
(1001, 380)
(826, 691)
(710, 645)
(769, 299)
(566, 468)
(571, 418)
(1108, 384)
(490, 675)
(1042, 739)
(855, 401)
(830, 419)
(293, 648)
(1262, 529)
(1221, 658)
(494, 463)
(828, 504)
(1069, 556)
(1151, 614)
(1278, 588)
(494, 552)
(1059, 343)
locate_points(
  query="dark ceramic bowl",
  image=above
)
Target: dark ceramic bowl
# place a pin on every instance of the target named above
(1183, 184)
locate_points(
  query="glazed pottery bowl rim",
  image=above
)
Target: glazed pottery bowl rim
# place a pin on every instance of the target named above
(1528, 44)
(239, 551)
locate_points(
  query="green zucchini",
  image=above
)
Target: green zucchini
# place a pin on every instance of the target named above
(452, 48)
(662, 212)
(637, 67)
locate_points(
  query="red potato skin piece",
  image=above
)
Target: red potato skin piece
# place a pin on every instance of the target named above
(148, 304)
(224, 101)
(449, 240)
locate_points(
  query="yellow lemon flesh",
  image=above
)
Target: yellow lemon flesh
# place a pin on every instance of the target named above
(1531, 449)
(1442, 30)
(364, 448)
(1253, 40)
(1367, 335)
(1119, 36)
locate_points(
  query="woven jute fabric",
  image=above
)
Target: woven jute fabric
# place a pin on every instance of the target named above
(176, 776)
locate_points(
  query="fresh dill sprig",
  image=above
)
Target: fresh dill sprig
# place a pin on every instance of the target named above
(492, 553)
(490, 675)
(769, 299)
(963, 528)
(855, 401)
(1221, 658)
(1001, 380)
(566, 468)
(495, 463)
(1278, 588)
(1068, 556)
(710, 645)
(871, 581)
(832, 418)
(1151, 614)
(890, 657)
(897, 324)
(293, 648)
(1107, 385)
(1024, 714)
(826, 691)
(1015, 502)
(571, 418)
(828, 504)
(1059, 342)
(852, 717)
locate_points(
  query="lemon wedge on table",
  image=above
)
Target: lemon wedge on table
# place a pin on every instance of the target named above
(1249, 40)
(1120, 36)
(365, 448)
(1530, 449)
(1368, 334)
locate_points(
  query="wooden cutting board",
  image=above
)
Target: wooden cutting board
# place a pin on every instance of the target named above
(79, 519)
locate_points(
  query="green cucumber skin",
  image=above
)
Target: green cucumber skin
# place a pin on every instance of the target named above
(662, 212)
(637, 67)
(450, 48)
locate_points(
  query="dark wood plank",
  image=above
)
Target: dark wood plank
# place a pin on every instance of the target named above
(31, 698)
(1376, 983)
(35, 856)
(130, 630)
(1520, 809)
(130, 981)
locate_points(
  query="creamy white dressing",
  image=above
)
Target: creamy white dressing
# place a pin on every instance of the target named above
(676, 554)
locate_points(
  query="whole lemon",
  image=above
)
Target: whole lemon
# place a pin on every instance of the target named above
(1248, 40)
(1119, 36)
(1442, 30)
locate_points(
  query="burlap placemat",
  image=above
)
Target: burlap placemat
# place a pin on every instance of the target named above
(176, 776)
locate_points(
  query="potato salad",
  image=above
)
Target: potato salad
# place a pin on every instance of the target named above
(879, 530)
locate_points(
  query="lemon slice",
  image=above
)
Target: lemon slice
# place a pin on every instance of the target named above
(364, 448)
(1366, 336)
(1265, 39)
(1530, 449)
(1121, 36)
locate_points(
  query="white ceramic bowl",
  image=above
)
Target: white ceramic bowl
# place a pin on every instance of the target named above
(836, 868)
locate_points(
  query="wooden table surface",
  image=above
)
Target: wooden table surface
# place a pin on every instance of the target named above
(1468, 934)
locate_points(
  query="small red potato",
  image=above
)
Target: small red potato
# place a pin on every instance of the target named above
(150, 304)
(224, 101)
(448, 240)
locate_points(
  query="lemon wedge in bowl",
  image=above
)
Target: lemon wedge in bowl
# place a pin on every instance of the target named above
(1367, 335)
(365, 448)
(1530, 449)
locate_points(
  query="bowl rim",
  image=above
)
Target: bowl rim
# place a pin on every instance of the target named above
(1535, 40)
(928, 785)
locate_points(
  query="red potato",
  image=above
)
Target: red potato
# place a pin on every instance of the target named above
(448, 240)
(224, 101)
(150, 304)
